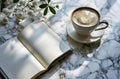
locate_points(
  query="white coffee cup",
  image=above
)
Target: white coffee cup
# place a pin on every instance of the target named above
(86, 19)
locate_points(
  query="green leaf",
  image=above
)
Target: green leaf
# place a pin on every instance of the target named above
(46, 11)
(52, 10)
(15, 1)
(43, 5)
(49, 1)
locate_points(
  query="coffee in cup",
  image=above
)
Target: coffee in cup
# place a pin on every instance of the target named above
(86, 19)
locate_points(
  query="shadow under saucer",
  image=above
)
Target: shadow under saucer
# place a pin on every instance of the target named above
(83, 48)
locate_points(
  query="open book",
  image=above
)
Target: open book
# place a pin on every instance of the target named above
(44, 44)
(34, 50)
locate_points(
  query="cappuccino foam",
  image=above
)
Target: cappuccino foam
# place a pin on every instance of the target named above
(85, 18)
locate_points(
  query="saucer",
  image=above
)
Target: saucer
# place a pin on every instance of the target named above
(93, 37)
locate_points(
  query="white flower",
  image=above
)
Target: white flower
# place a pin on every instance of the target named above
(5, 20)
(31, 13)
(7, 11)
(23, 2)
(20, 16)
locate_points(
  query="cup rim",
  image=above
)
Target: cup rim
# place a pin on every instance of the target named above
(89, 8)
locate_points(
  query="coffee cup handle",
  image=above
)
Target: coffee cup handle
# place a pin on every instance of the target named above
(102, 22)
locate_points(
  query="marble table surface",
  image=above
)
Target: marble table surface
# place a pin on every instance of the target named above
(99, 60)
